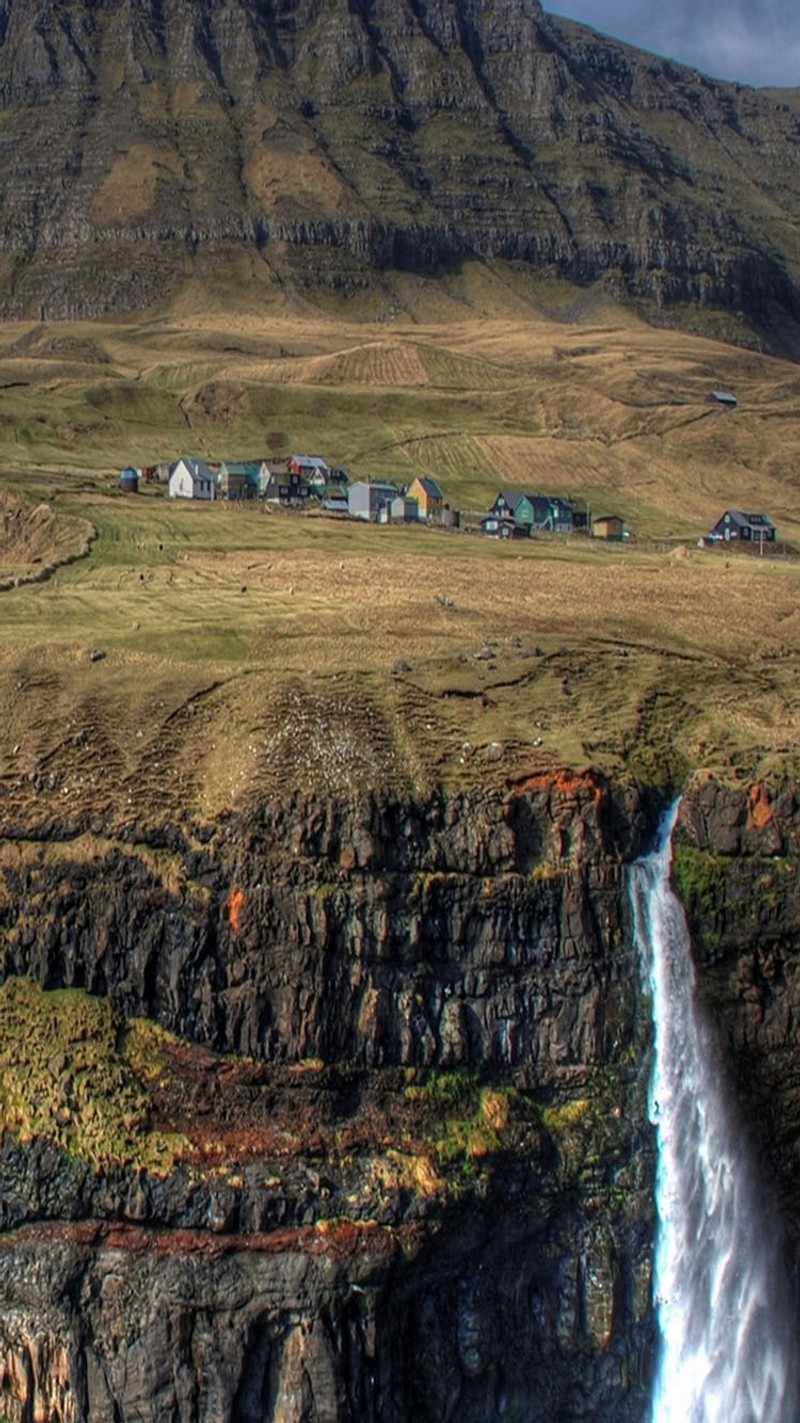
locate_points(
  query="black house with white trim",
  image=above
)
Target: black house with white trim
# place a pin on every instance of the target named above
(736, 527)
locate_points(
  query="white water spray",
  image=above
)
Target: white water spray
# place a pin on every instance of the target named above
(725, 1355)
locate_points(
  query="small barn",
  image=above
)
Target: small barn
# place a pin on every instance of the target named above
(191, 479)
(428, 494)
(129, 480)
(738, 527)
(608, 526)
(371, 499)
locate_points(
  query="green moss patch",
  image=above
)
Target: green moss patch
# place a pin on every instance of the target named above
(465, 1120)
(72, 1074)
(699, 878)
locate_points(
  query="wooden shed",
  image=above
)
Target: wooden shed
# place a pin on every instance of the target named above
(609, 526)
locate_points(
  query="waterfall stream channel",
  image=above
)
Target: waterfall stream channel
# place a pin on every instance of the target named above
(726, 1351)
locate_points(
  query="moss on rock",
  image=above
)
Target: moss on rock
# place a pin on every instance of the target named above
(70, 1073)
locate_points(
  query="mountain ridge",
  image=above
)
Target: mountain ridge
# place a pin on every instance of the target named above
(318, 149)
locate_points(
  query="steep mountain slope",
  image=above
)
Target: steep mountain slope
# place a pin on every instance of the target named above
(311, 146)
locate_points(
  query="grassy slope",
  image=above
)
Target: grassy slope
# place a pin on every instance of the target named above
(249, 652)
(282, 632)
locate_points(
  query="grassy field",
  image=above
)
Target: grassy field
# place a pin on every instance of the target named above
(612, 411)
(248, 651)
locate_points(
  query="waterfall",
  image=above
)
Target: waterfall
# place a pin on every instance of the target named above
(725, 1355)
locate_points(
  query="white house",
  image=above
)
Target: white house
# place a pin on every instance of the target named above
(371, 499)
(191, 479)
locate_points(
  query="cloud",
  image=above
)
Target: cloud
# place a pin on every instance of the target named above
(752, 41)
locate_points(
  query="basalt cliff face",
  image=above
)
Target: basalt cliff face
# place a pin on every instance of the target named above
(311, 147)
(392, 1160)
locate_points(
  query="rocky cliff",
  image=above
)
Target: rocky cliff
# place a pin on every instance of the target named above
(321, 147)
(337, 1110)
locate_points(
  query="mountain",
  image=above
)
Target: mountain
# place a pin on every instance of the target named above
(276, 148)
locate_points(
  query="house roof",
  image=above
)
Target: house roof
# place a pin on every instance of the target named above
(198, 469)
(428, 483)
(309, 461)
(742, 520)
(249, 468)
(381, 486)
(512, 498)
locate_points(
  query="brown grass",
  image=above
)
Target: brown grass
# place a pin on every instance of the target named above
(301, 651)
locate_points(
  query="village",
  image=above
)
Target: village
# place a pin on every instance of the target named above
(304, 482)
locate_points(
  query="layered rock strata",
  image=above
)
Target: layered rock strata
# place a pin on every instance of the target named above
(406, 1047)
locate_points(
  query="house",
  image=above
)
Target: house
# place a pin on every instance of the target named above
(308, 465)
(428, 495)
(608, 526)
(317, 483)
(242, 479)
(495, 526)
(553, 513)
(371, 499)
(277, 489)
(539, 511)
(513, 504)
(724, 397)
(736, 527)
(287, 487)
(191, 479)
(404, 510)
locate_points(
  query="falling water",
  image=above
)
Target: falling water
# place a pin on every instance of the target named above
(725, 1355)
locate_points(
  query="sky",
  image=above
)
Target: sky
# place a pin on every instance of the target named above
(754, 41)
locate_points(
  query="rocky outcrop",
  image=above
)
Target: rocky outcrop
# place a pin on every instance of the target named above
(321, 147)
(425, 1190)
(736, 867)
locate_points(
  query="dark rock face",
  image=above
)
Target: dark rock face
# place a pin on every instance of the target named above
(738, 876)
(489, 934)
(480, 1326)
(482, 930)
(319, 146)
